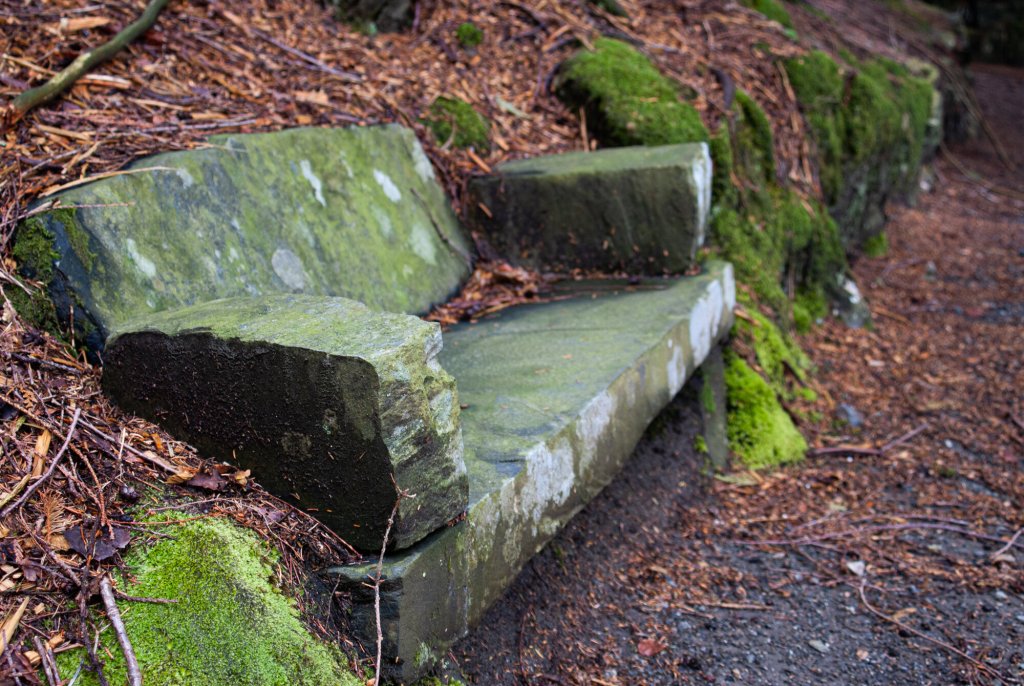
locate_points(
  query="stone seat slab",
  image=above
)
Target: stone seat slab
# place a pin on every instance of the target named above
(555, 397)
(334, 406)
(639, 209)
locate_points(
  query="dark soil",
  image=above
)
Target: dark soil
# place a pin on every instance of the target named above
(890, 569)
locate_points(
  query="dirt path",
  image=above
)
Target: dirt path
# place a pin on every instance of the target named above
(883, 570)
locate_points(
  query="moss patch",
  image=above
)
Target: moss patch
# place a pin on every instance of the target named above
(771, 9)
(775, 351)
(869, 120)
(627, 100)
(456, 120)
(469, 35)
(34, 251)
(877, 245)
(760, 431)
(230, 625)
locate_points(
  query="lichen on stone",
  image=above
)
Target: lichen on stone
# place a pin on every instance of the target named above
(760, 431)
(455, 120)
(229, 625)
(627, 100)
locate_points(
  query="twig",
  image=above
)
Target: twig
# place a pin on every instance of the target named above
(309, 59)
(867, 452)
(45, 656)
(83, 64)
(132, 664)
(376, 588)
(49, 471)
(945, 646)
(1009, 544)
(28, 359)
(158, 461)
(138, 599)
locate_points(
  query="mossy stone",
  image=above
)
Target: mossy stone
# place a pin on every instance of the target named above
(454, 120)
(641, 209)
(229, 625)
(872, 121)
(627, 100)
(349, 212)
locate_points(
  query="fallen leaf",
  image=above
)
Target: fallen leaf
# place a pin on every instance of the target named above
(650, 647)
(89, 538)
(820, 646)
(211, 482)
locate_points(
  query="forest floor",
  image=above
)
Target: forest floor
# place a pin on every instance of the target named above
(846, 569)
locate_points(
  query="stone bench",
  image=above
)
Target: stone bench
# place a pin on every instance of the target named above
(255, 297)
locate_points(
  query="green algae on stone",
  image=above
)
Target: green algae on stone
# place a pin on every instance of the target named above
(229, 625)
(349, 212)
(335, 407)
(469, 35)
(761, 433)
(455, 120)
(627, 100)
(641, 209)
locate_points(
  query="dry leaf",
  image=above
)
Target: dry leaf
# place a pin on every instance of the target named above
(650, 647)
(312, 97)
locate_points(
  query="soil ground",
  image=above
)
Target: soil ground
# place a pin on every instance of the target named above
(849, 568)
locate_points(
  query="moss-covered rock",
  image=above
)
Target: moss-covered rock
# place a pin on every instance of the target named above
(353, 212)
(229, 626)
(455, 120)
(642, 209)
(761, 433)
(627, 100)
(871, 123)
(775, 350)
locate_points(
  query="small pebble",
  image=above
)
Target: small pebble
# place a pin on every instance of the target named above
(1001, 596)
(820, 646)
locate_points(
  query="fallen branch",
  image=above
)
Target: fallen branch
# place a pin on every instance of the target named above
(82, 65)
(132, 664)
(945, 646)
(867, 452)
(380, 573)
(49, 471)
(1009, 544)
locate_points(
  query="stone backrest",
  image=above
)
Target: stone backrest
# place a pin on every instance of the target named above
(351, 212)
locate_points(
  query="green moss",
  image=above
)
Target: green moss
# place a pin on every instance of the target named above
(771, 9)
(35, 308)
(700, 445)
(808, 394)
(760, 431)
(627, 100)
(869, 120)
(753, 144)
(877, 245)
(230, 625)
(611, 7)
(723, 192)
(34, 251)
(469, 35)
(707, 397)
(775, 351)
(456, 120)
(808, 307)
